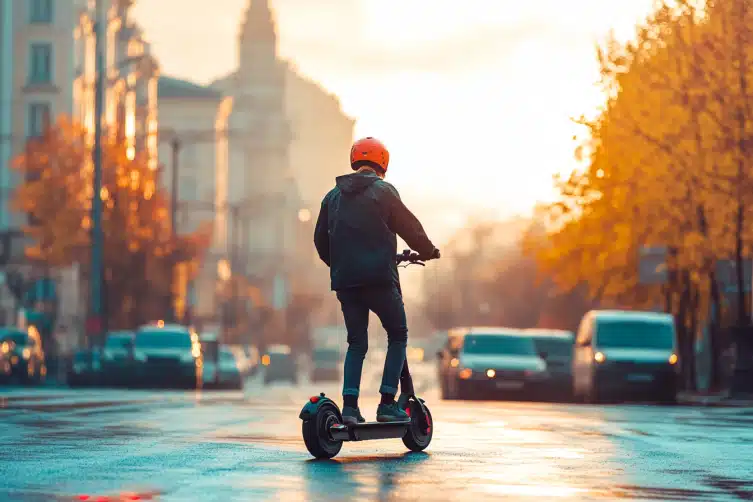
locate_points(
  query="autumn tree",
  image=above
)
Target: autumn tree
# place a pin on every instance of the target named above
(667, 165)
(140, 251)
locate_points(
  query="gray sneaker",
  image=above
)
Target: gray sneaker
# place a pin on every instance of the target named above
(402, 401)
(352, 416)
(391, 413)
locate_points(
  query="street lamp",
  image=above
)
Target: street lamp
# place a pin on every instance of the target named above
(177, 139)
(97, 235)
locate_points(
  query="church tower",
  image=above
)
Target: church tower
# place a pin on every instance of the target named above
(260, 95)
(261, 153)
(258, 35)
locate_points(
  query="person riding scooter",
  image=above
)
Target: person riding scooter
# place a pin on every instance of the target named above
(356, 237)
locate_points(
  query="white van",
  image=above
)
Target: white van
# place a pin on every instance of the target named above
(619, 353)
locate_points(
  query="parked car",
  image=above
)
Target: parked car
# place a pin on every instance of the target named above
(229, 374)
(168, 355)
(25, 353)
(326, 364)
(622, 353)
(279, 364)
(555, 347)
(482, 362)
(85, 368)
(117, 357)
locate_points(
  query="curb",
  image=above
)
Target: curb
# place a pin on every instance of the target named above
(719, 401)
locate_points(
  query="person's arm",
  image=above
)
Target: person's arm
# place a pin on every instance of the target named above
(406, 225)
(321, 233)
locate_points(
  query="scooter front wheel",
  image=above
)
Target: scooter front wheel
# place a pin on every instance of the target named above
(316, 434)
(420, 431)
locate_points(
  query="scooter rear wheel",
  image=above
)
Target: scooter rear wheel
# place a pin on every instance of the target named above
(316, 432)
(418, 436)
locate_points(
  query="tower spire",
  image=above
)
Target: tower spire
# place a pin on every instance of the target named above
(259, 26)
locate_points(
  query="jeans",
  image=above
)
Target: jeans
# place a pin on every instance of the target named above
(387, 303)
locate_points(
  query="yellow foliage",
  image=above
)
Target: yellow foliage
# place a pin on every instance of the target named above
(139, 249)
(669, 155)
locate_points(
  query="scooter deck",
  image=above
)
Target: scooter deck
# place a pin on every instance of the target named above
(369, 430)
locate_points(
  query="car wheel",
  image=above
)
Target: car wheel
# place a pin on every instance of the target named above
(668, 396)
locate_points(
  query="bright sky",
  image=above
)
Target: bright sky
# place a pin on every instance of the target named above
(473, 97)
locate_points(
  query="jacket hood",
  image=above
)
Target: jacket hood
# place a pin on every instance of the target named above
(356, 182)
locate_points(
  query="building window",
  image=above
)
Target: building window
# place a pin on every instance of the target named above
(40, 11)
(38, 119)
(40, 64)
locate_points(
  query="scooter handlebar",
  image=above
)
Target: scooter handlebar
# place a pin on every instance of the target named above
(411, 257)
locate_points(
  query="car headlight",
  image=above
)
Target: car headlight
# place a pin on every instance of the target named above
(5, 347)
(26, 354)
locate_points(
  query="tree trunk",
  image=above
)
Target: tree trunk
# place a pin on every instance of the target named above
(682, 325)
(694, 322)
(715, 332)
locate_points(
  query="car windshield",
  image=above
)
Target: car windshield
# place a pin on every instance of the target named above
(498, 344)
(554, 346)
(634, 334)
(17, 337)
(327, 355)
(279, 357)
(163, 339)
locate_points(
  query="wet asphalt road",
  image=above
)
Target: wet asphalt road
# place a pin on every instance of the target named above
(59, 444)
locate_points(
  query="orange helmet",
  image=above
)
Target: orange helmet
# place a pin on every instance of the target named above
(371, 152)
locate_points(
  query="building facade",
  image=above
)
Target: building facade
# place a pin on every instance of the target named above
(36, 86)
(131, 79)
(36, 76)
(322, 135)
(194, 141)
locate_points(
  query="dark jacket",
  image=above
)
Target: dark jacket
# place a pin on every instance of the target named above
(356, 231)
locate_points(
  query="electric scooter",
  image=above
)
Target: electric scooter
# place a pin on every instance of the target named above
(324, 431)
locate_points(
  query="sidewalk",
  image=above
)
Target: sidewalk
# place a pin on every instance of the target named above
(717, 399)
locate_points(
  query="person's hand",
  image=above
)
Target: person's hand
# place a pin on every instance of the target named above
(433, 256)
